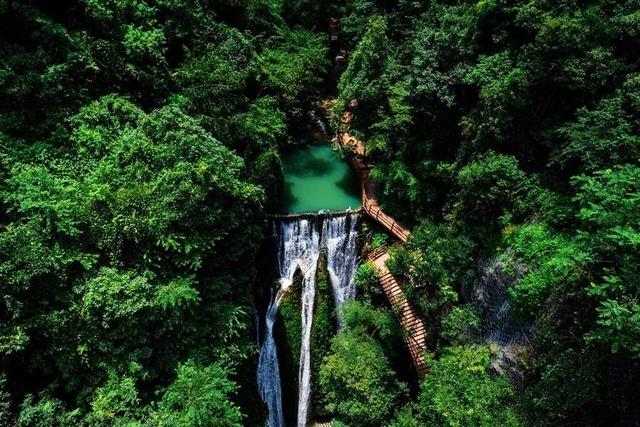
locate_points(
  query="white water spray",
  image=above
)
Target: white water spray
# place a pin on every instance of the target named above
(304, 374)
(298, 247)
(268, 369)
(340, 238)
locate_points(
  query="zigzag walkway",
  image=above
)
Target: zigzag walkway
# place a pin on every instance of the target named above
(415, 330)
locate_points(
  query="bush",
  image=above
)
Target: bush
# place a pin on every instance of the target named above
(360, 386)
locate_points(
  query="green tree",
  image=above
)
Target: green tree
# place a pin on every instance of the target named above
(491, 185)
(359, 385)
(608, 204)
(46, 411)
(199, 396)
(555, 266)
(461, 325)
(458, 391)
(116, 403)
(605, 135)
(121, 236)
(362, 80)
(293, 64)
(436, 262)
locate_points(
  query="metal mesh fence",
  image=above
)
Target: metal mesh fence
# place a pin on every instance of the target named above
(499, 329)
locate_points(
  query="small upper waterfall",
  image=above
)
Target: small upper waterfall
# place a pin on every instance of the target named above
(298, 246)
(317, 120)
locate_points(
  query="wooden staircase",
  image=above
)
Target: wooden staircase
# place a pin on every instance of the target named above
(372, 208)
(415, 330)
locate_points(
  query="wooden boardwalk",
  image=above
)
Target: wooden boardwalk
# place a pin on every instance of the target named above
(371, 207)
(368, 189)
(415, 330)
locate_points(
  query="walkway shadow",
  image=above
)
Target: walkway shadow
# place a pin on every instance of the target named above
(288, 198)
(349, 184)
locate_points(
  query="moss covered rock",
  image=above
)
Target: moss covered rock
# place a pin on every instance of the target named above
(322, 330)
(287, 334)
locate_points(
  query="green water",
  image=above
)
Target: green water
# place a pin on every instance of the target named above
(317, 179)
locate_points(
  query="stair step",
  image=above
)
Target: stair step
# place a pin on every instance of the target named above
(418, 330)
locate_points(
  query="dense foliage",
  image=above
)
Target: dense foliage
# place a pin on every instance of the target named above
(139, 150)
(357, 381)
(460, 391)
(506, 133)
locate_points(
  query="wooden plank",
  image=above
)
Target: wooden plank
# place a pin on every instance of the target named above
(414, 328)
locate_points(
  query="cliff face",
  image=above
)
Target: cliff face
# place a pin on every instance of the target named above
(508, 338)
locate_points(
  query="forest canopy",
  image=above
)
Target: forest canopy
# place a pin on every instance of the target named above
(140, 150)
(506, 133)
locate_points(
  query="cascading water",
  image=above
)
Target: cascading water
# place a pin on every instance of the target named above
(317, 121)
(304, 376)
(299, 243)
(297, 247)
(268, 369)
(340, 237)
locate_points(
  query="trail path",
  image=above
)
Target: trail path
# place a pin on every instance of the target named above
(415, 331)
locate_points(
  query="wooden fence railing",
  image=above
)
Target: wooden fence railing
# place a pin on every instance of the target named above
(415, 331)
(385, 220)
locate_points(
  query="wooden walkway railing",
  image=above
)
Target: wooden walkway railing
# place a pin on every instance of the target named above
(415, 330)
(377, 252)
(367, 188)
(374, 211)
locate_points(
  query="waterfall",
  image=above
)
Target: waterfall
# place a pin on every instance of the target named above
(304, 375)
(298, 246)
(340, 236)
(317, 121)
(268, 369)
